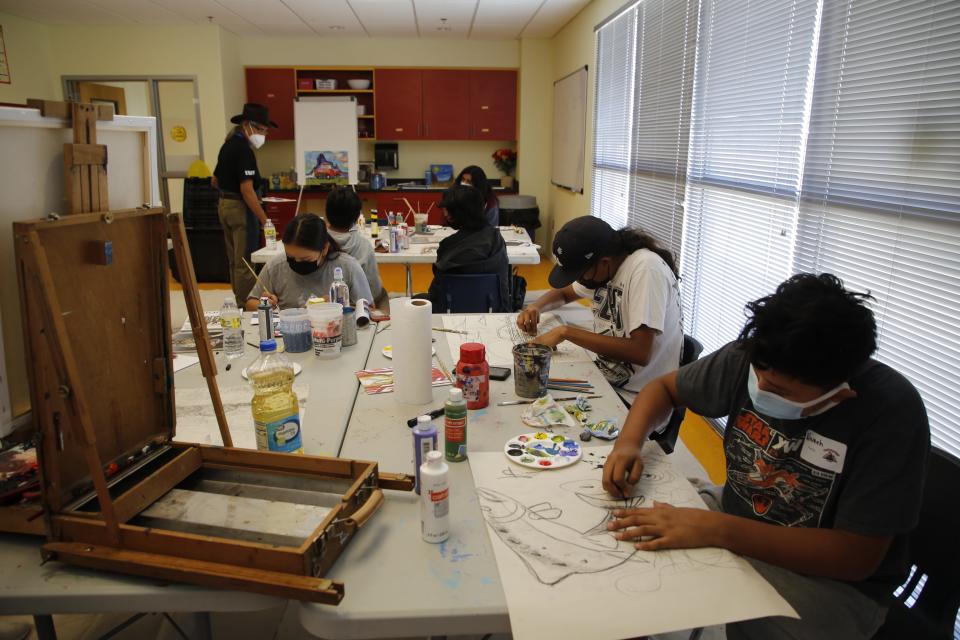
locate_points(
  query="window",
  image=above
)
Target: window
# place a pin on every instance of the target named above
(645, 60)
(880, 206)
(751, 95)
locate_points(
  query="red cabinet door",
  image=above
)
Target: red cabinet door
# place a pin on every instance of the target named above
(446, 101)
(493, 105)
(398, 106)
(280, 213)
(273, 88)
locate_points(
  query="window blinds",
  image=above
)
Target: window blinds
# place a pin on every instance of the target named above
(751, 99)
(613, 112)
(880, 202)
(645, 59)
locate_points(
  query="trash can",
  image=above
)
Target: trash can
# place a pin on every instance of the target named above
(521, 211)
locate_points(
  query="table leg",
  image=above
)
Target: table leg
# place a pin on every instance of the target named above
(409, 268)
(45, 628)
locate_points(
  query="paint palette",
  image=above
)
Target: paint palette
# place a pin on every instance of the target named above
(542, 450)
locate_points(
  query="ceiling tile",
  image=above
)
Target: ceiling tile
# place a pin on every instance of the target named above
(62, 12)
(199, 11)
(273, 17)
(552, 17)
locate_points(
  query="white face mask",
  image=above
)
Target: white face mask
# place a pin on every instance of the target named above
(776, 406)
(256, 139)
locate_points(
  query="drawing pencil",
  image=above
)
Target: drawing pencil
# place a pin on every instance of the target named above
(569, 380)
(508, 403)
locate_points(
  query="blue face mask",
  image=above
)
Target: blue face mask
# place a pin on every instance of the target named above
(770, 404)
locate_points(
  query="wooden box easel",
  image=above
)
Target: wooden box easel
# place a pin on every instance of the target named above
(117, 491)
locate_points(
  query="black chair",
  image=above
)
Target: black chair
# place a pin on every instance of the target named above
(667, 438)
(468, 293)
(926, 606)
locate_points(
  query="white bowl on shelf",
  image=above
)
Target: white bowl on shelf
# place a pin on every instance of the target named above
(358, 84)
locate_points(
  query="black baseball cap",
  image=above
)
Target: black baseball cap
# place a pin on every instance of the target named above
(579, 244)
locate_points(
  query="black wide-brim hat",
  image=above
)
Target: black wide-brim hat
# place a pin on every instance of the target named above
(254, 113)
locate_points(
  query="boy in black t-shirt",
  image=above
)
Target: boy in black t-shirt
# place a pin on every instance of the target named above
(825, 452)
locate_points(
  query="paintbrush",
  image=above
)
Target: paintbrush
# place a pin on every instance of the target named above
(409, 206)
(463, 333)
(508, 403)
(569, 380)
(444, 369)
(259, 281)
(431, 206)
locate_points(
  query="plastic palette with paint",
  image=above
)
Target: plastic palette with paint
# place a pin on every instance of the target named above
(542, 450)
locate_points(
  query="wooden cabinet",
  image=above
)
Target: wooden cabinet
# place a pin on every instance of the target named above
(446, 104)
(493, 105)
(274, 88)
(399, 104)
(280, 213)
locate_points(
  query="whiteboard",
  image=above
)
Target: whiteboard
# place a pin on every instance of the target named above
(569, 130)
(326, 125)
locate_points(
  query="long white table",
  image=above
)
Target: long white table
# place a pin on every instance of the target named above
(520, 250)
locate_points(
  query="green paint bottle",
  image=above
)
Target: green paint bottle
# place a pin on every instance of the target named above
(455, 426)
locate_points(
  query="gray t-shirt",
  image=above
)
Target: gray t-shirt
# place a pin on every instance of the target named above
(359, 246)
(293, 289)
(858, 467)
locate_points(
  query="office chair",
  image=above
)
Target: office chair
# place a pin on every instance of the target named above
(667, 438)
(926, 606)
(468, 293)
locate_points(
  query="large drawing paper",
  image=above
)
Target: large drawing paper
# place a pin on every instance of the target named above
(499, 332)
(549, 536)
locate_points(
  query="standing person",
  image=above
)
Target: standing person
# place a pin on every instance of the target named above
(825, 452)
(343, 211)
(307, 267)
(475, 177)
(632, 282)
(475, 248)
(238, 179)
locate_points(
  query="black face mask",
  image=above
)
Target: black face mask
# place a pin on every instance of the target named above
(303, 268)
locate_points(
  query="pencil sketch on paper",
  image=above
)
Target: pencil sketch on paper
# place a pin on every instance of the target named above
(499, 333)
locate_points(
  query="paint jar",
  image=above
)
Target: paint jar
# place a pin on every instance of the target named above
(420, 222)
(473, 375)
(326, 322)
(349, 327)
(531, 369)
(295, 327)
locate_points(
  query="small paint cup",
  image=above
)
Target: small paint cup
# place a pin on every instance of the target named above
(349, 327)
(531, 369)
(295, 327)
(420, 222)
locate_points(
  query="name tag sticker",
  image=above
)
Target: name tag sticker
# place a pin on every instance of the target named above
(823, 452)
(249, 173)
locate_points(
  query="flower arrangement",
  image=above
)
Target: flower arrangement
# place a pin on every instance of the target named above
(505, 159)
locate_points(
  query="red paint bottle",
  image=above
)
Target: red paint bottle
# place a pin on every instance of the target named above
(473, 375)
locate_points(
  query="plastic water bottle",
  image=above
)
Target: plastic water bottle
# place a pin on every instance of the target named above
(339, 290)
(424, 441)
(270, 234)
(434, 498)
(276, 411)
(232, 333)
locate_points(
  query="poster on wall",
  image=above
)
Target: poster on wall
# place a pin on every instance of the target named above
(4, 61)
(326, 167)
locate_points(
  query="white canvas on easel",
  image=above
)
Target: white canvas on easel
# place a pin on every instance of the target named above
(326, 125)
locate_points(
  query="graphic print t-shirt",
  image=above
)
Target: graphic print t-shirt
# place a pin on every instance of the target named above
(643, 291)
(857, 467)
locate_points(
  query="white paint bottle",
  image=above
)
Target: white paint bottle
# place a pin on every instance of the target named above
(434, 498)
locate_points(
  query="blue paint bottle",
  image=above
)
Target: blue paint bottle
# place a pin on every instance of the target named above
(424, 440)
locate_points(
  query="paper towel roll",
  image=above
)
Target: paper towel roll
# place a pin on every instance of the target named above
(397, 307)
(412, 359)
(363, 313)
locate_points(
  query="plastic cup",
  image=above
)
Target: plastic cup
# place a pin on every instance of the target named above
(295, 327)
(420, 222)
(531, 369)
(326, 322)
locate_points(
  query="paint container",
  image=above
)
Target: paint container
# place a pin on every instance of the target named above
(326, 322)
(531, 369)
(455, 426)
(349, 327)
(424, 441)
(265, 319)
(434, 499)
(295, 327)
(473, 375)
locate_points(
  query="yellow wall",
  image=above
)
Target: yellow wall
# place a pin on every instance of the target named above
(536, 122)
(573, 47)
(28, 55)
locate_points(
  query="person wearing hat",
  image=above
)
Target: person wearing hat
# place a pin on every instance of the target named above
(635, 298)
(238, 179)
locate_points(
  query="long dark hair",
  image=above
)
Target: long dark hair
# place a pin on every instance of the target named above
(308, 230)
(631, 240)
(234, 130)
(478, 180)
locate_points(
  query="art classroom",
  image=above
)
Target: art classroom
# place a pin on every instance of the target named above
(481, 319)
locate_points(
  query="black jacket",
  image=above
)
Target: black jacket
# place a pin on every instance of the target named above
(472, 251)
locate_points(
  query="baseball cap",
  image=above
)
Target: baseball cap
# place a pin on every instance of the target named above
(577, 245)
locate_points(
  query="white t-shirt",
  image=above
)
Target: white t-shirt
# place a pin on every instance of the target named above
(643, 292)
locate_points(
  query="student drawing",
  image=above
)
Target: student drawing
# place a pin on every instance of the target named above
(500, 333)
